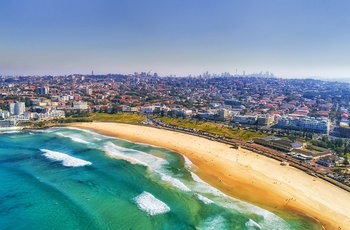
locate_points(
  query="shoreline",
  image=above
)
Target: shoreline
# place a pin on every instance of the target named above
(245, 175)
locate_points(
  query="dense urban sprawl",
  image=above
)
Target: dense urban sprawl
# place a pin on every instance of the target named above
(313, 114)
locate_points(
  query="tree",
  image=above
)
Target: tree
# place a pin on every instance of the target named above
(310, 135)
(27, 102)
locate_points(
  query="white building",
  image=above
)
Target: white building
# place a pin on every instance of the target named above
(245, 119)
(147, 110)
(50, 115)
(7, 123)
(17, 108)
(305, 123)
(80, 105)
(11, 108)
(4, 114)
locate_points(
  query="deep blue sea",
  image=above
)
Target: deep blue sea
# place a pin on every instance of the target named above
(68, 178)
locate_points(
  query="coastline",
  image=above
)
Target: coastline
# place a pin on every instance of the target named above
(245, 175)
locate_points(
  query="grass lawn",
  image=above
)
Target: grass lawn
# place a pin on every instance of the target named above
(118, 117)
(213, 128)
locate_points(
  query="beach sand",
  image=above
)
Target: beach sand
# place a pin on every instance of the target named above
(246, 175)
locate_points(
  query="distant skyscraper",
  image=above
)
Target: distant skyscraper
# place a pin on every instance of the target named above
(92, 73)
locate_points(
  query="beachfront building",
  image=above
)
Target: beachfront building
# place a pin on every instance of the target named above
(49, 115)
(27, 116)
(275, 143)
(214, 114)
(246, 119)
(147, 109)
(4, 114)
(207, 115)
(179, 112)
(17, 108)
(307, 155)
(7, 123)
(223, 114)
(310, 124)
(265, 120)
(127, 109)
(301, 154)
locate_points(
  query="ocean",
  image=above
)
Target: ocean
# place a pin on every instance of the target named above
(69, 178)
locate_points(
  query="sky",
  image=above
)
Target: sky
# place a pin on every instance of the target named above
(294, 38)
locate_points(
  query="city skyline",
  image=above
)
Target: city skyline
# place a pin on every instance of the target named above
(290, 39)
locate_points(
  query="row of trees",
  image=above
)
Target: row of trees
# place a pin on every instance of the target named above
(341, 147)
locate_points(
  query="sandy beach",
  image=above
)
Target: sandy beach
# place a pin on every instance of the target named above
(246, 175)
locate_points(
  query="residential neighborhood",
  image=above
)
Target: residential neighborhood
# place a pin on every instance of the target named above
(288, 104)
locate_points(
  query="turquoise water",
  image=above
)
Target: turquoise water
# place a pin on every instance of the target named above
(67, 178)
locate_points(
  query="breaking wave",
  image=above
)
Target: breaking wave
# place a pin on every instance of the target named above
(213, 223)
(152, 206)
(174, 182)
(74, 138)
(134, 156)
(66, 160)
(204, 199)
(252, 224)
(188, 164)
(266, 218)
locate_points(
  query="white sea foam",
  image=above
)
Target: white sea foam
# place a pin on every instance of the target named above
(74, 138)
(9, 132)
(204, 199)
(112, 152)
(213, 223)
(188, 164)
(66, 160)
(253, 224)
(134, 156)
(174, 182)
(154, 163)
(152, 206)
(268, 218)
(196, 178)
(201, 186)
(96, 136)
(50, 130)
